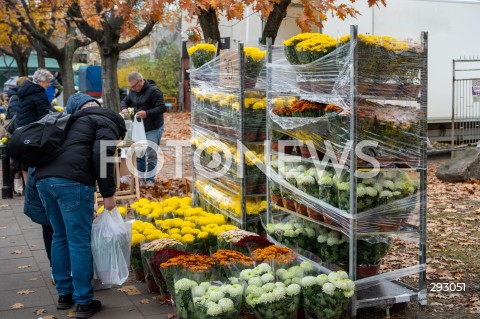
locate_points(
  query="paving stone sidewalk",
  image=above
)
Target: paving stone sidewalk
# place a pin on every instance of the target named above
(24, 266)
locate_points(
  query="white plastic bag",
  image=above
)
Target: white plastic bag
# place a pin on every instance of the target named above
(111, 247)
(138, 135)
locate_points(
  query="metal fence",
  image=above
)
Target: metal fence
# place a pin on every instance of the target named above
(466, 101)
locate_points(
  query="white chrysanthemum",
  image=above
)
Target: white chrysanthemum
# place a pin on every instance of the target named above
(280, 284)
(224, 288)
(350, 284)
(287, 282)
(340, 284)
(215, 296)
(246, 274)
(251, 300)
(297, 225)
(198, 291)
(293, 290)
(342, 274)
(235, 290)
(184, 284)
(332, 241)
(295, 271)
(322, 279)
(301, 168)
(361, 190)
(333, 234)
(263, 268)
(306, 265)
(281, 273)
(299, 231)
(268, 287)
(279, 293)
(349, 293)
(297, 280)
(214, 310)
(309, 281)
(290, 233)
(226, 304)
(270, 228)
(205, 285)
(371, 191)
(310, 232)
(255, 281)
(322, 239)
(329, 288)
(199, 300)
(266, 298)
(267, 278)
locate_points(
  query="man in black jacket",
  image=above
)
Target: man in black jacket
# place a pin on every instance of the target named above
(148, 104)
(66, 187)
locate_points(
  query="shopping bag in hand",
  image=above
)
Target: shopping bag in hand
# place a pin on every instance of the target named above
(138, 135)
(111, 247)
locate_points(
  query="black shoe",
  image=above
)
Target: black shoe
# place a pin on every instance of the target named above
(65, 302)
(86, 311)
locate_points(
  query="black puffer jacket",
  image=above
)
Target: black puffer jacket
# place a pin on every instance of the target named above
(13, 103)
(81, 159)
(33, 104)
(149, 99)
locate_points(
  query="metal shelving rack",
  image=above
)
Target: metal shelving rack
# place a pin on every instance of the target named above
(382, 289)
(226, 73)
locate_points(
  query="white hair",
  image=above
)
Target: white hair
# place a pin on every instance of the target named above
(42, 75)
(134, 76)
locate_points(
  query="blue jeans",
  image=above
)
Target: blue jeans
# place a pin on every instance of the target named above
(69, 206)
(150, 159)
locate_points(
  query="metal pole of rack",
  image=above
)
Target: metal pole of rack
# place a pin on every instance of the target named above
(192, 114)
(268, 141)
(241, 59)
(423, 173)
(353, 162)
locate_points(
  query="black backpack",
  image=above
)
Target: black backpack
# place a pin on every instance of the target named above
(40, 142)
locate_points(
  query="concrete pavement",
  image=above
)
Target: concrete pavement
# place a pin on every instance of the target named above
(25, 277)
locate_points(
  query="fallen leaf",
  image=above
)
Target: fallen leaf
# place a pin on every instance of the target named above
(3, 237)
(40, 311)
(17, 306)
(33, 279)
(171, 315)
(25, 292)
(3, 205)
(24, 267)
(145, 301)
(71, 314)
(130, 290)
(17, 252)
(49, 317)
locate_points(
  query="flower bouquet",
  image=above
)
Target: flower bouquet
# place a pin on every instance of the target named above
(188, 266)
(184, 299)
(333, 246)
(254, 61)
(289, 46)
(229, 262)
(228, 238)
(217, 302)
(158, 258)
(326, 296)
(269, 298)
(251, 243)
(279, 255)
(308, 184)
(305, 108)
(318, 46)
(295, 234)
(151, 262)
(202, 53)
(371, 251)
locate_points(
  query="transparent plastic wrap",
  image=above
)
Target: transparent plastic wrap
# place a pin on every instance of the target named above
(385, 202)
(216, 95)
(216, 199)
(388, 113)
(219, 159)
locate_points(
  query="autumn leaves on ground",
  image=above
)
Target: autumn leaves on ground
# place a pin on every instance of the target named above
(453, 223)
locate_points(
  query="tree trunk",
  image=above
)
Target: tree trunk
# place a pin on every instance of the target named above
(40, 59)
(209, 24)
(275, 20)
(110, 91)
(66, 64)
(22, 64)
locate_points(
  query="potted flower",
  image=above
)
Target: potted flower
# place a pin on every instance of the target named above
(217, 302)
(184, 299)
(371, 251)
(333, 246)
(326, 296)
(254, 61)
(201, 54)
(255, 115)
(276, 195)
(289, 46)
(228, 261)
(314, 48)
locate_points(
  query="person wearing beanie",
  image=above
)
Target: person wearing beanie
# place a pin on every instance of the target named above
(66, 187)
